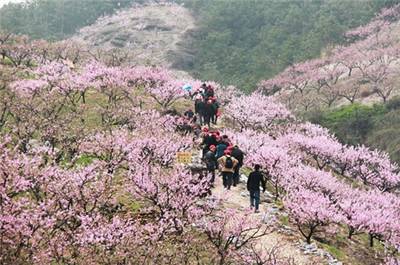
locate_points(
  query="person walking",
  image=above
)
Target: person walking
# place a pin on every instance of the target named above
(208, 113)
(221, 147)
(211, 162)
(215, 106)
(207, 141)
(239, 155)
(227, 165)
(199, 106)
(253, 186)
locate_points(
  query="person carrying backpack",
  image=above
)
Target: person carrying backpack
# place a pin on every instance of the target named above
(211, 162)
(253, 186)
(227, 165)
(239, 155)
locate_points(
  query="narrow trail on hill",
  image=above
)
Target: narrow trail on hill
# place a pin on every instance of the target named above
(238, 198)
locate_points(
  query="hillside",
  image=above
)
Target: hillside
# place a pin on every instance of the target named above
(233, 42)
(55, 19)
(151, 34)
(102, 163)
(241, 42)
(89, 152)
(4, 2)
(353, 89)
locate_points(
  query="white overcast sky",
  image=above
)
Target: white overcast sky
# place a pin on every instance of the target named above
(3, 2)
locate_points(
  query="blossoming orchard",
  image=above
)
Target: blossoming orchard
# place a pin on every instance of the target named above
(368, 64)
(88, 170)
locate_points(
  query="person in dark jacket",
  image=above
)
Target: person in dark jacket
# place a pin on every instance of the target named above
(215, 105)
(189, 114)
(221, 147)
(200, 109)
(211, 162)
(209, 91)
(208, 113)
(239, 155)
(214, 137)
(253, 186)
(207, 141)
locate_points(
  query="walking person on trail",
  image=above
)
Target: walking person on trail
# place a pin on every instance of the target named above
(253, 186)
(227, 165)
(215, 106)
(207, 141)
(203, 89)
(221, 147)
(208, 113)
(209, 91)
(211, 162)
(199, 106)
(214, 136)
(239, 155)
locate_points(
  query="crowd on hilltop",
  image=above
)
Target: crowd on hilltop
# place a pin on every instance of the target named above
(218, 151)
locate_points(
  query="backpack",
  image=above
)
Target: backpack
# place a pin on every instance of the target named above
(229, 162)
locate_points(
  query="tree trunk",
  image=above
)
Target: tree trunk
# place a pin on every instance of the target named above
(308, 238)
(351, 232)
(276, 192)
(371, 240)
(222, 259)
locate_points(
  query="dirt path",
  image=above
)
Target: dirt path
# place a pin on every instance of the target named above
(235, 199)
(238, 198)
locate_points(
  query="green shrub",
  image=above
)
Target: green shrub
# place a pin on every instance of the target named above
(393, 103)
(352, 123)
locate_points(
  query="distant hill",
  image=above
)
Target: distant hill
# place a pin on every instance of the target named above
(151, 34)
(241, 42)
(353, 89)
(236, 42)
(5, 2)
(55, 19)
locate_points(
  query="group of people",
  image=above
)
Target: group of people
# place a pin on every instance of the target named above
(206, 105)
(220, 154)
(218, 151)
(206, 110)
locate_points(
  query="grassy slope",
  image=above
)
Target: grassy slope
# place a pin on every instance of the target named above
(377, 126)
